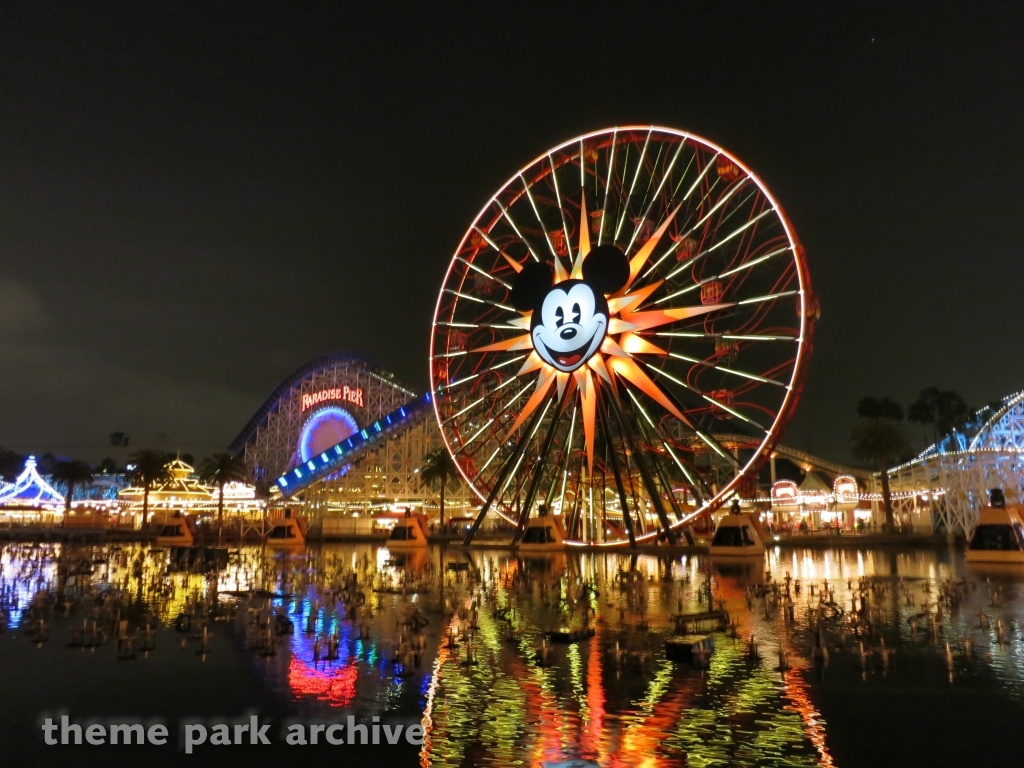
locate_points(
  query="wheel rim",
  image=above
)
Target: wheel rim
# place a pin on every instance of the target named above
(699, 361)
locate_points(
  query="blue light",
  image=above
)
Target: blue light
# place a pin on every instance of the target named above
(324, 429)
(282, 481)
(354, 441)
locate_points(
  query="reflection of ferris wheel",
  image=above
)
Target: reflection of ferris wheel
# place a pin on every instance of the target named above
(619, 306)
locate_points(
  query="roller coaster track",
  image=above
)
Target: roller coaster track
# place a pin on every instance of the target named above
(414, 411)
(355, 446)
(799, 457)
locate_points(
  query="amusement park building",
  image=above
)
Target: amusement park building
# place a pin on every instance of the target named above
(347, 407)
(948, 483)
(327, 403)
(184, 491)
(30, 496)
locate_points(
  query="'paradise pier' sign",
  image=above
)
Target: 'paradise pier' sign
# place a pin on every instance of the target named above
(346, 394)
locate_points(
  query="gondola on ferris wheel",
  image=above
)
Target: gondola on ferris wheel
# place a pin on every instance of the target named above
(619, 305)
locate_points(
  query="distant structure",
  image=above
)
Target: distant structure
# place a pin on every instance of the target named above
(184, 492)
(340, 437)
(30, 496)
(950, 480)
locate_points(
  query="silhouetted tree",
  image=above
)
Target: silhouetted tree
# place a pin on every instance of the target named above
(438, 470)
(945, 410)
(47, 463)
(11, 464)
(880, 441)
(149, 467)
(119, 440)
(73, 473)
(221, 469)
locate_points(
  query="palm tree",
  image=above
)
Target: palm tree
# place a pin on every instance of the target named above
(149, 468)
(72, 473)
(263, 494)
(119, 440)
(11, 464)
(221, 469)
(945, 410)
(881, 441)
(438, 470)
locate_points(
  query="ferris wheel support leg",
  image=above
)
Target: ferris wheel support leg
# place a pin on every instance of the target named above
(661, 470)
(502, 475)
(531, 491)
(671, 498)
(627, 518)
(549, 497)
(645, 475)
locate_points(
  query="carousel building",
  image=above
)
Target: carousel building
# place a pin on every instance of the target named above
(30, 498)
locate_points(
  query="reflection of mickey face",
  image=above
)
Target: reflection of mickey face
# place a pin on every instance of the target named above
(570, 325)
(570, 318)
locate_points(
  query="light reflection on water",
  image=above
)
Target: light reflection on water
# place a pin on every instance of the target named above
(642, 710)
(627, 708)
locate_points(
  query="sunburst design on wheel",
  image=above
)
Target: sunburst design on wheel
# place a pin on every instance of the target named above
(628, 306)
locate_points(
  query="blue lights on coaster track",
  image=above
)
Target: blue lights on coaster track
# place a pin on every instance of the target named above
(345, 451)
(326, 427)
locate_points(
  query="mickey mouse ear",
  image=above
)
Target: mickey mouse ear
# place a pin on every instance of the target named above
(606, 269)
(531, 285)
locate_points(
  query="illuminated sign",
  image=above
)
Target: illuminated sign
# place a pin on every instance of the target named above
(236, 490)
(347, 394)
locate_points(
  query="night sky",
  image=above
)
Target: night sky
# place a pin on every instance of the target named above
(197, 198)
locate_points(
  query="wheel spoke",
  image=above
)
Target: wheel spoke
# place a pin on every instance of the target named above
(609, 180)
(700, 339)
(632, 186)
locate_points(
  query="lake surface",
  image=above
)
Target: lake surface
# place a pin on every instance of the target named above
(828, 657)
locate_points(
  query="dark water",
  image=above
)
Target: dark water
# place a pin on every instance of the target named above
(851, 666)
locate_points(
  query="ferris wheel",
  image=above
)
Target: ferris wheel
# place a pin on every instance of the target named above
(627, 311)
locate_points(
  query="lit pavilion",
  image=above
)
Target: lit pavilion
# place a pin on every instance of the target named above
(184, 492)
(30, 495)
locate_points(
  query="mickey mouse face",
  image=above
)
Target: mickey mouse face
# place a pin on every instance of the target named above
(570, 318)
(570, 325)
